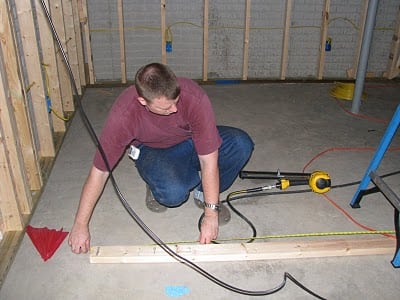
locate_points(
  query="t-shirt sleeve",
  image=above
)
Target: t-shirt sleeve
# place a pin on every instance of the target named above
(204, 129)
(114, 139)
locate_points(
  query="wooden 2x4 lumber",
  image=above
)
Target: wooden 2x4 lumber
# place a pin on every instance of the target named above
(246, 41)
(84, 20)
(50, 66)
(70, 43)
(79, 45)
(163, 33)
(13, 159)
(352, 73)
(9, 209)
(121, 30)
(285, 44)
(394, 55)
(8, 249)
(10, 214)
(323, 36)
(243, 251)
(205, 41)
(18, 99)
(57, 15)
(30, 49)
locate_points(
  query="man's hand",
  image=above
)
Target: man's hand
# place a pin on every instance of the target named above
(79, 239)
(209, 228)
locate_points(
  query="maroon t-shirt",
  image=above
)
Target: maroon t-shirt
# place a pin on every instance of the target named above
(129, 122)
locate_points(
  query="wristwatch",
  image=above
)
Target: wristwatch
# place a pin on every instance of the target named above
(212, 206)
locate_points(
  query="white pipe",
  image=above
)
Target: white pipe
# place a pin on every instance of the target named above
(364, 54)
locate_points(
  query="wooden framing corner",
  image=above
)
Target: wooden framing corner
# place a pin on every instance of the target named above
(30, 95)
(394, 55)
(243, 251)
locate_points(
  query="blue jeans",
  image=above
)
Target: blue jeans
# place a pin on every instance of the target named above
(173, 172)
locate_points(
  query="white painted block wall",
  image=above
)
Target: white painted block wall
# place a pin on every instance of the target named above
(226, 32)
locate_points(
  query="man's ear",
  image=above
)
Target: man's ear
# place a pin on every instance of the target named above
(142, 101)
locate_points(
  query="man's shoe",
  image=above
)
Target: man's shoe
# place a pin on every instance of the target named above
(198, 198)
(224, 215)
(152, 203)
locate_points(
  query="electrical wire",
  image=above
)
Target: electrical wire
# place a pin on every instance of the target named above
(344, 90)
(134, 215)
(257, 192)
(253, 228)
(48, 98)
(343, 211)
(236, 27)
(360, 116)
(350, 217)
(343, 149)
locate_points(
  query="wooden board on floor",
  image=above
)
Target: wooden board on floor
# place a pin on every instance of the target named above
(243, 251)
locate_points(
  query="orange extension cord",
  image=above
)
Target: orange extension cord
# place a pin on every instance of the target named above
(330, 200)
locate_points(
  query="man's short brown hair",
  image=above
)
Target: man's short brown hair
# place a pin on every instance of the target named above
(155, 80)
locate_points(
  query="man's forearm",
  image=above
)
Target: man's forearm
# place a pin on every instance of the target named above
(91, 192)
(210, 183)
(210, 180)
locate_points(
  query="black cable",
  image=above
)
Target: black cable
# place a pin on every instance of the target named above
(358, 182)
(250, 193)
(302, 190)
(254, 192)
(253, 228)
(133, 214)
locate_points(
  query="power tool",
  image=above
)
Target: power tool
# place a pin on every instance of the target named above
(318, 181)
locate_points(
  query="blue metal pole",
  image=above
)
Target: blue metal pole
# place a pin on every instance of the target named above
(376, 160)
(364, 54)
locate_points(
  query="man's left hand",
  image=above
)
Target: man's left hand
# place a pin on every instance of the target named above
(209, 229)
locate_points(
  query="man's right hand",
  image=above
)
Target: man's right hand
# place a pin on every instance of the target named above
(79, 239)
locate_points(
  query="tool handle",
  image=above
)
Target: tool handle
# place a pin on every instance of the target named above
(273, 175)
(298, 182)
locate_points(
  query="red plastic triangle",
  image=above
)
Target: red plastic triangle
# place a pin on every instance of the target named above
(45, 240)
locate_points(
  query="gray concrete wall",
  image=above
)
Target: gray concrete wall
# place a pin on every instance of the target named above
(344, 31)
(226, 31)
(304, 38)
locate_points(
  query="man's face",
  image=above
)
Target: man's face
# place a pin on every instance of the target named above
(161, 105)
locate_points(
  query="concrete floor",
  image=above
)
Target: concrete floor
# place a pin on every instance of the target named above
(290, 124)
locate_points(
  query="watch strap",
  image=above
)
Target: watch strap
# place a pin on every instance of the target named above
(212, 206)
